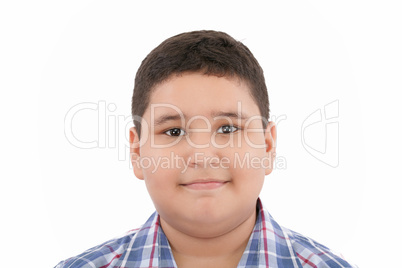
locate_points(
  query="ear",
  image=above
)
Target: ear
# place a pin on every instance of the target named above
(135, 153)
(270, 141)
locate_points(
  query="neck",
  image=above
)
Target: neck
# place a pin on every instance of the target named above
(225, 249)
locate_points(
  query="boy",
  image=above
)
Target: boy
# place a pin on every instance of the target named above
(203, 144)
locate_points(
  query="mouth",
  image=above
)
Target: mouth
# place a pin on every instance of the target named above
(204, 184)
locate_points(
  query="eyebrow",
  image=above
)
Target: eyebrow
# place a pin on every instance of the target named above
(166, 118)
(229, 114)
(175, 117)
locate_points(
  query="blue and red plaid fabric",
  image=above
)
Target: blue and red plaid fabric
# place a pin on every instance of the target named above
(270, 245)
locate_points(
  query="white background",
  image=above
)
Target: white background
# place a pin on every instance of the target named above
(57, 200)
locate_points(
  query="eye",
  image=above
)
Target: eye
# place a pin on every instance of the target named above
(175, 132)
(227, 129)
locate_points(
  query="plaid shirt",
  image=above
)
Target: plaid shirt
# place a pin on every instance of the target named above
(270, 245)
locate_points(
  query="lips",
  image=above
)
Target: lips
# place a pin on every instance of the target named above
(207, 184)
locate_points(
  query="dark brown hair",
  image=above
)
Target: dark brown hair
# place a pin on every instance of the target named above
(208, 52)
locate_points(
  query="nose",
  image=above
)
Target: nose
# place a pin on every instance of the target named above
(200, 151)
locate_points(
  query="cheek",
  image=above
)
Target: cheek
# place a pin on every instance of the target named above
(247, 166)
(254, 140)
(152, 158)
(161, 185)
(161, 171)
(250, 151)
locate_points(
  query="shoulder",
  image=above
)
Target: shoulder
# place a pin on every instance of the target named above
(313, 254)
(133, 247)
(101, 255)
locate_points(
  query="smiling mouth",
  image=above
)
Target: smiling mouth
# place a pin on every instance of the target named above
(204, 185)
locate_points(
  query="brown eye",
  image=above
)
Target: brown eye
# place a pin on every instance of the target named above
(227, 129)
(175, 132)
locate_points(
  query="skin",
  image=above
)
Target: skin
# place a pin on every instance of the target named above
(205, 227)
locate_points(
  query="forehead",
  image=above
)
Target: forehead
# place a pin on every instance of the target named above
(195, 94)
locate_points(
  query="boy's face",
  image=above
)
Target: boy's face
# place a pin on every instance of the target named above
(203, 164)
